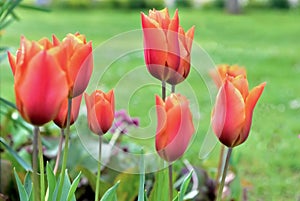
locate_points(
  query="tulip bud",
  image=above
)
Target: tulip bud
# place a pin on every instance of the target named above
(167, 47)
(100, 111)
(175, 126)
(233, 110)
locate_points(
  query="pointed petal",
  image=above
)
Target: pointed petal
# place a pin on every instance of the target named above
(12, 62)
(251, 101)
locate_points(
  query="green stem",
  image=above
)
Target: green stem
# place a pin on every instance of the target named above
(66, 149)
(220, 165)
(61, 139)
(220, 190)
(35, 179)
(173, 88)
(41, 160)
(163, 90)
(170, 168)
(99, 170)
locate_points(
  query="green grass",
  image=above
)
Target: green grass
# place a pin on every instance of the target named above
(265, 42)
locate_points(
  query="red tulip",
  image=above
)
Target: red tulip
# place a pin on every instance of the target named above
(100, 111)
(225, 70)
(232, 114)
(40, 83)
(75, 56)
(167, 47)
(175, 126)
(61, 119)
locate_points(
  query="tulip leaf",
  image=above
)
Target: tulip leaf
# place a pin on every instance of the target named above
(28, 184)
(66, 187)
(21, 189)
(111, 194)
(73, 187)
(51, 181)
(10, 104)
(184, 186)
(160, 185)
(141, 196)
(15, 155)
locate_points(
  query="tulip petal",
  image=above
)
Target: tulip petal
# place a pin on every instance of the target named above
(43, 87)
(104, 115)
(241, 83)
(161, 138)
(229, 114)
(190, 37)
(81, 68)
(251, 101)
(12, 62)
(61, 119)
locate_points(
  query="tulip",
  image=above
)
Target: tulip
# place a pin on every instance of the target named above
(232, 114)
(100, 111)
(61, 118)
(225, 70)
(175, 126)
(167, 47)
(75, 56)
(39, 82)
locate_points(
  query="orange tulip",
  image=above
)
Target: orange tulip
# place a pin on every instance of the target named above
(61, 119)
(76, 59)
(175, 126)
(224, 70)
(167, 47)
(40, 83)
(232, 114)
(100, 111)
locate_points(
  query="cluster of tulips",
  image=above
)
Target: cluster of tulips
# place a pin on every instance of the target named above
(51, 76)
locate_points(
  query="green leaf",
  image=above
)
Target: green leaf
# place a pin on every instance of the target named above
(184, 186)
(66, 187)
(51, 181)
(160, 186)
(28, 184)
(10, 104)
(74, 185)
(111, 194)
(15, 155)
(21, 189)
(141, 196)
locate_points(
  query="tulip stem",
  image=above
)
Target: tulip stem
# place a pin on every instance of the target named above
(173, 88)
(99, 169)
(61, 139)
(170, 182)
(41, 160)
(35, 179)
(163, 90)
(66, 149)
(221, 186)
(220, 165)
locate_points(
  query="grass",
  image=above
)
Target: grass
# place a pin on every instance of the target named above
(265, 42)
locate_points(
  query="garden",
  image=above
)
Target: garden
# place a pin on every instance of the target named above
(258, 47)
